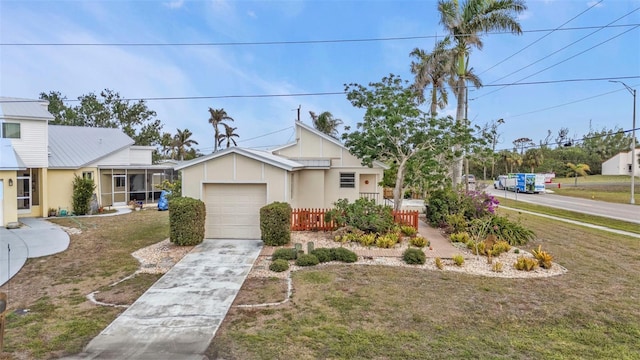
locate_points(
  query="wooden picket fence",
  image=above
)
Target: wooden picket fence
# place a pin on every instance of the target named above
(314, 219)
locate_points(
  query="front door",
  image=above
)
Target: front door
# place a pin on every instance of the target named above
(119, 189)
(23, 183)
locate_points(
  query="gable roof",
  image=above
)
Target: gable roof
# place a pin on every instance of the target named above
(18, 108)
(72, 147)
(258, 155)
(326, 137)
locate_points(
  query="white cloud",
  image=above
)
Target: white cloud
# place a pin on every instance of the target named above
(252, 14)
(176, 4)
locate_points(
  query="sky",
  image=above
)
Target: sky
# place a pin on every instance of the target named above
(257, 54)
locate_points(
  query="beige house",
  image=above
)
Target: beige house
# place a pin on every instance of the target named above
(620, 164)
(38, 163)
(312, 172)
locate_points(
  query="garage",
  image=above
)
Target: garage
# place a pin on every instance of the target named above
(233, 210)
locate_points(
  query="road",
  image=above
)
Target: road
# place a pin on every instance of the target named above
(625, 212)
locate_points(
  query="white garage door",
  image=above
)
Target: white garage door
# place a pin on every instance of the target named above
(233, 210)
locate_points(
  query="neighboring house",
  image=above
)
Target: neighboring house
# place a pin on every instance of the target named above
(312, 172)
(38, 163)
(620, 164)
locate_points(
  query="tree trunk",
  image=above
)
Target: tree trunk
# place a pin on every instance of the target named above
(397, 190)
(460, 119)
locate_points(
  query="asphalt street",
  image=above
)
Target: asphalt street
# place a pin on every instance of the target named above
(625, 212)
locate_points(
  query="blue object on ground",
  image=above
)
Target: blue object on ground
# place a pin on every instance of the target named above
(163, 203)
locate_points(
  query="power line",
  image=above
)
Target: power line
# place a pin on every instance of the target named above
(540, 38)
(299, 42)
(557, 51)
(267, 134)
(567, 46)
(172, 98)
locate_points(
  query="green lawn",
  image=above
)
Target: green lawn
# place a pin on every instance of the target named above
(378, 312)
(610, 188)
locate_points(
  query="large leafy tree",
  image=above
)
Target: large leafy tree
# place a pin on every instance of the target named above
(217, 117)
(109, 110)
(394, 129)
(326, 123)
(602, 145)
(465, 22)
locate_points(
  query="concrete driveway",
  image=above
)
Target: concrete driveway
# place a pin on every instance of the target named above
(37, 237)
(179, 315)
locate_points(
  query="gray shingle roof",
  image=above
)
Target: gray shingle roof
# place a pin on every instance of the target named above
(259, 155)
(24, 108)
(71, 147)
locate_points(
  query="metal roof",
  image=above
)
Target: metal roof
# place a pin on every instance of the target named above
(71, 147)
(259, 155)
(9, 159)
(17, 108)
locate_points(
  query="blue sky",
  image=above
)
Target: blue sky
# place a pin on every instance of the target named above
(201, 71)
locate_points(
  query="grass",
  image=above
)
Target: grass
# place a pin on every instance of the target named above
(377, 312)
(610, 188)
(566, 214)
(60, 320)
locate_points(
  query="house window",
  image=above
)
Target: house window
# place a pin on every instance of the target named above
(87, 175)
(11, 130)
(348, 180)
(120, 181)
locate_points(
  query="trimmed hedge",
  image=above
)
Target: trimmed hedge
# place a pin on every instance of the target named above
(186, 221)
(275, 223)
(344, 255)
(279, 265)
(284, 254)
(323, 254)
(307, 260)
(82, 193)
(414, 256)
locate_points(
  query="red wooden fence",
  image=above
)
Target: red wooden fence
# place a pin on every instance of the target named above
(313, 219)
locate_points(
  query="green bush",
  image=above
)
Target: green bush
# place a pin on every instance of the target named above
(323, 254)
(307, 260)
(513, 233)
(363, 214)
(458, 259)
(82, 193)
(442, 203)
(456, 223)
(462, 237)
(367, 239)
(418, 241)
(279, 265)
(284, 254)
(408, 230)
(186, 221)
(414, 256)
(275, 223)
(387, 241)
(343, 255)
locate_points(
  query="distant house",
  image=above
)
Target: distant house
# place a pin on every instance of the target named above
(38, 163)
(620, 164)
(312, 172)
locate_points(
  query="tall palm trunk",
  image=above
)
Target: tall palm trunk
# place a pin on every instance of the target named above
(460, 119)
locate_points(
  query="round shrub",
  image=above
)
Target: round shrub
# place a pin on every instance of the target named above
(418, 241)
(344, 255)
(414, 257)
(284, 254)
(307, 260)
(275, 223)
(279, 265)
(186, 221)
(323, 254)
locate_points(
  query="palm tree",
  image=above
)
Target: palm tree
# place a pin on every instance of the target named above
(167, 143)
(181, 141)
(433, 69)
(326, 123)
(514, 159)
(533, 158)
(229, 134)
(465, 22)
(578, 170)
(217, 117)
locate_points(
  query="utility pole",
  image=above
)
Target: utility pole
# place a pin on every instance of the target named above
(633, 142)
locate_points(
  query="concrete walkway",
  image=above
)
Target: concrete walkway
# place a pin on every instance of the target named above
(37, 237)
(179, 315)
